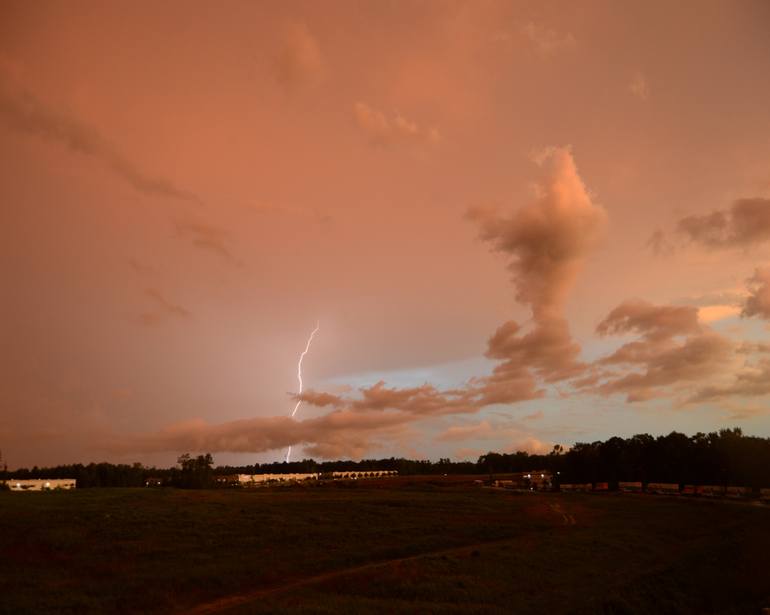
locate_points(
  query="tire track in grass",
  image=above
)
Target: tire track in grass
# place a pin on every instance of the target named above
(235, 600)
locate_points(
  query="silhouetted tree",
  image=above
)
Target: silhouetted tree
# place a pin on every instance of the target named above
(196, 472)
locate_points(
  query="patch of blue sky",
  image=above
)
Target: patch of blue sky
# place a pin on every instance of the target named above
(441, 375)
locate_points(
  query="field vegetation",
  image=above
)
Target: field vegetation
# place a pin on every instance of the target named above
(403, 545)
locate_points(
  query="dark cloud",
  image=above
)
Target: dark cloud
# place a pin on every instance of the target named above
(340, 433)
(426, 400)
(206, 237)
(758, 301)
(164, 309)
(547, 242)
(696, 358)
(673, 350)
(353, 426)
(751, 381)
(745, 223)
(660, 244)
(26, 113)
(548, 349)
(653, 322)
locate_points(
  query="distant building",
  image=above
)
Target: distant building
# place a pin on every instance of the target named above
(41, 484)
(738, 492)
(630, 487)
(532, 480)
(365, 474)
(710, 490)
(663, 488)
(253, 480)
(576, 487)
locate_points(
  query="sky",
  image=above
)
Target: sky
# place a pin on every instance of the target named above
(517, 224)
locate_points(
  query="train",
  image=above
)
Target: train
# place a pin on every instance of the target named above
(705, 491)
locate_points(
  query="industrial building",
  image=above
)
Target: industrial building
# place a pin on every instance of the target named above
(253, 480)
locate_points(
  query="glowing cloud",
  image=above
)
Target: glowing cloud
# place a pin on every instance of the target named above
(548, 241)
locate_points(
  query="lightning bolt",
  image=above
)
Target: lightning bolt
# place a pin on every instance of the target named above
(299, 376)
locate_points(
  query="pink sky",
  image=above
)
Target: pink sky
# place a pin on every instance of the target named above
(517, 224)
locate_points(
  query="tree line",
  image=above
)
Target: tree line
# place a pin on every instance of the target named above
(193, 472)
(725, 457)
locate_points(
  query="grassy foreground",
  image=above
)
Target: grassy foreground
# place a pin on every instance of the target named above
(400, 546)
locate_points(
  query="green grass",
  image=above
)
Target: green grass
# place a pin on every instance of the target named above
(127, 550)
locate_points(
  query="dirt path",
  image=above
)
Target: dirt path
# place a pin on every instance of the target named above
(569, 519)
(232, 601)
(228, 602)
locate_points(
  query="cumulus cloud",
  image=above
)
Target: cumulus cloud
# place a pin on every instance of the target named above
(422, 400)
(352, 427)
(510, 437)
(547, 242)
(691, 361)
(30, 115)
(341, 433)
(548, 348)
(300, 62)
(467, 454)
(549, 238)
(751, 381)
(384, 131)
(673, 350)
(744, 224)
(545, 41)
(758, 301)
(653, 322)
(426, 400)
(531, 445)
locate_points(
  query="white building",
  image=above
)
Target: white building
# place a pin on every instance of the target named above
(40, 484)
(246, 479)
(252, 480)
(364, 474)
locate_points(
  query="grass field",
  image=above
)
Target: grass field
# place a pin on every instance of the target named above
(390, 546)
